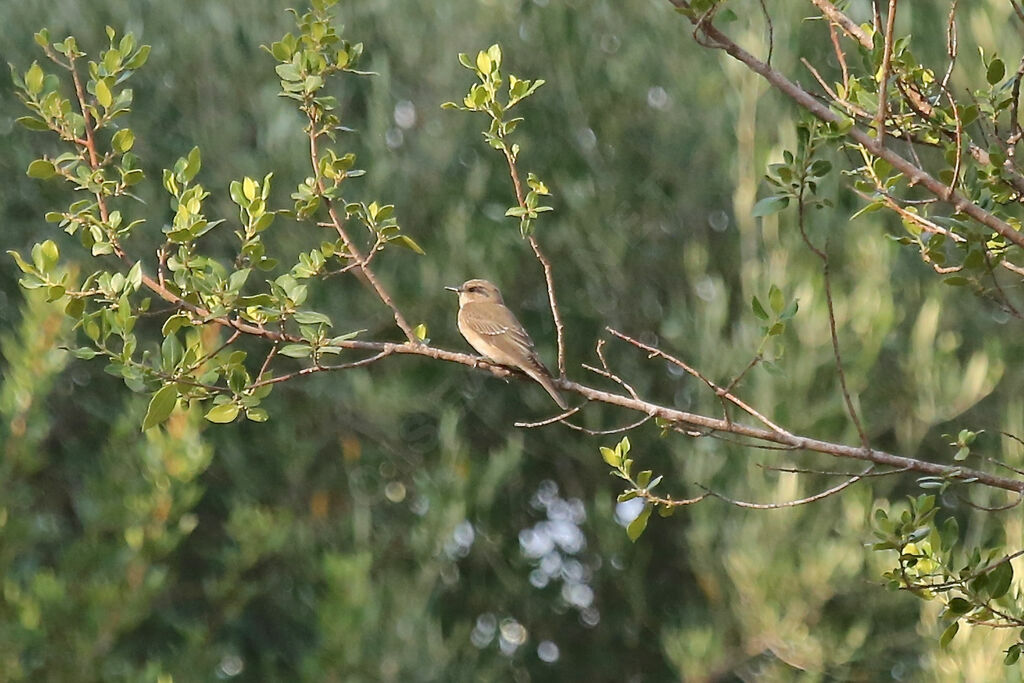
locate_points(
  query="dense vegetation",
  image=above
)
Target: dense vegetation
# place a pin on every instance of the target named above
(389, 522)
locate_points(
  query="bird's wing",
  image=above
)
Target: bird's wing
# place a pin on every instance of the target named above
(498, 324)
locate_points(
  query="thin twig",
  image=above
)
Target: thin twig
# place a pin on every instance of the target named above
(807, 470)
(324, 368)
(719, 391)
(883, 87)
(606, 432)
(350, 245)
(849, 26)
(821, 254)
(550, 420)
(792, 503)
(549, 277)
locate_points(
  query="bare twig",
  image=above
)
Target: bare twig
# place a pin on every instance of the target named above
(883, 86)
(732, 398)
(550, 420)
(549, 277)
(606, 432)
(792, 503)
(821, 254)
(326, 368)
(849, 26)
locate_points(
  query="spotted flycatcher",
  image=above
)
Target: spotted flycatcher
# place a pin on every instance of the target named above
(493, 330)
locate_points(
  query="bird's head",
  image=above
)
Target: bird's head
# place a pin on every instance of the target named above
(472, 291)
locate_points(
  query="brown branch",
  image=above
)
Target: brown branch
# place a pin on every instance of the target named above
(849, 26)
(606, 432)
(549, 277)
(792, 503)
(793, 441)
(883, 86)
(387, 351)
(719, 391)
(914, 174)
(826, 276)
(353, 250)
(550, 420)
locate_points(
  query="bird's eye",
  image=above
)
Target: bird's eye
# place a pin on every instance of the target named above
(476, 289)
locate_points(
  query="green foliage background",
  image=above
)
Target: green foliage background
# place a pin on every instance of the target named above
(379, 526)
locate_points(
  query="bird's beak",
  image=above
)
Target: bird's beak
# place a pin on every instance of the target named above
(454, 289)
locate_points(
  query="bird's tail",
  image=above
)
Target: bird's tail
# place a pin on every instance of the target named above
(545, 380)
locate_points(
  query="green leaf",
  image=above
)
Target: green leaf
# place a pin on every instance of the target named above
(637, 526)
(408, 243)
(996, 71)
(1012, 654)
(160, 406)
(758, 309)
(257, 414)
(103, 94)
(1000, 579)
(611, 457)
(959, 606)
(775, 299)
(948, 634)
(420, 331)
(311, 318)
(483, 62)
(123, 140)
(296, 351)
(769, 205)
(41, 169)
(223, 413)
(644, 478)
(34, 79)
(32, 123)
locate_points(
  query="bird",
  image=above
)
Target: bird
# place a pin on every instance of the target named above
(495, 332)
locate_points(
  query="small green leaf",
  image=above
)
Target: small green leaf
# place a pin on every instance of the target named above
(1000, 579)
(41, 169)
(296, 351)
(959, 606)
(103, 94)
(769, 205)
(948, 634)
(408, 243)
(758, 309)
(637, 526)
(257, 415)
(996, 71)
(483, 62)
(611, 457)
(775, 299)
(123, 140)
(160, 406)
(223, 413)
(420, 331)
(34, 79)
(311, 318)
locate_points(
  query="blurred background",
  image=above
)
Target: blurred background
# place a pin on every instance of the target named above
(391, 524)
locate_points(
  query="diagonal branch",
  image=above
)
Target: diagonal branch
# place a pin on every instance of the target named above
(350, 245)
(549, 278)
